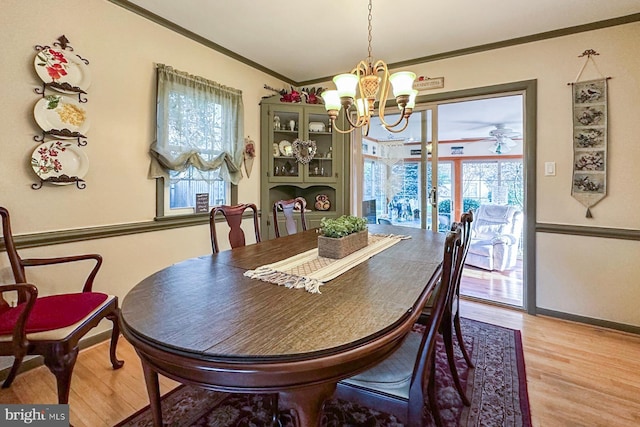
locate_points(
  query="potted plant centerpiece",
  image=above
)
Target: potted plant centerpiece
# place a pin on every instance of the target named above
(342, 236)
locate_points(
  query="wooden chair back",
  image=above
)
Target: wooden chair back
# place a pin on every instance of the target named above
(288, 207)
(233, 216)
(425, 368)
(385, 386)
(465, 224)
(14, 259)
(451, 318)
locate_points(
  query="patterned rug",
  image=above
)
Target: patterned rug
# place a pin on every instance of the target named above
(496, 387)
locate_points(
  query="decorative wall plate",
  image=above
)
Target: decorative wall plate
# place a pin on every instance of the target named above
(56, 112)
(52, 161)
(304, 151)
(285, 148)
(68, 71)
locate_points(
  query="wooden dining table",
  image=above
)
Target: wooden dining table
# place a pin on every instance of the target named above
(203, 322)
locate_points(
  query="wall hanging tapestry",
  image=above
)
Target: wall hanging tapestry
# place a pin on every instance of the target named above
(589, 181)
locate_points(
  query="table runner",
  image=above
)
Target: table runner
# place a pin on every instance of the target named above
(309, 271)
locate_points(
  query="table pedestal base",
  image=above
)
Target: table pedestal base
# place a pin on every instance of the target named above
(307, 402)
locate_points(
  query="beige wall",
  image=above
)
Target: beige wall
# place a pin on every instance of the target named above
(590, 277)
(122, 49)
(585, 276)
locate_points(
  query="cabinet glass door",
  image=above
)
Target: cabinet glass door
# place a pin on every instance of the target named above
(318, 129)
(286, 128)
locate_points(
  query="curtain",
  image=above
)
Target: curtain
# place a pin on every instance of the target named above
(200, 124)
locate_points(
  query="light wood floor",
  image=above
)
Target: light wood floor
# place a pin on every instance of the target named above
(578, 375)
(503, 287)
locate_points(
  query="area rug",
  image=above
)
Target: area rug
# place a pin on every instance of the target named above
(496, 387)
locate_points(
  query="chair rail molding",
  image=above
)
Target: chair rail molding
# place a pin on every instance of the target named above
(581, 230)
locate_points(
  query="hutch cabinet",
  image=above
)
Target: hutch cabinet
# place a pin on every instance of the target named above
(301, 156)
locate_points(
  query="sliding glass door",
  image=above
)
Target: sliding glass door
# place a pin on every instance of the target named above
(454, 156)
(397, 173)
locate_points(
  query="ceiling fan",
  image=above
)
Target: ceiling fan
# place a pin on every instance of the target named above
(502, 139)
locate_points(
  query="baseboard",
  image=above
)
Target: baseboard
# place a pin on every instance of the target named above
(563, 316)
(589, 320)
(36, 361)
(492, 302)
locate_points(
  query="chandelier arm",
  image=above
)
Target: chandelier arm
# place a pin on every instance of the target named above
(381, 67)
(352, 125)
(358, 123)
(343, 131)
(406, 123)
(388, 125)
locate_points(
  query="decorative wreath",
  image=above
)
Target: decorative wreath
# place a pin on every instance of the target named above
(304, 151)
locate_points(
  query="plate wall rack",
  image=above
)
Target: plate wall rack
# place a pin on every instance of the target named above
(61, 115)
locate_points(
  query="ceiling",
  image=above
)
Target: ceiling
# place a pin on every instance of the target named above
(310, 40)
(471, 119)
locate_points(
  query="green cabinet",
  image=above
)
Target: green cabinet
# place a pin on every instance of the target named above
(301, 156)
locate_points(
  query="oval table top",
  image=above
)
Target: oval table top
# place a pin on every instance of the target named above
(205, 307)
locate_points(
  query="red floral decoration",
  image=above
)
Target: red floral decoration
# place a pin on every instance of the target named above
(54, 62)
(306, 95)
(250, 149)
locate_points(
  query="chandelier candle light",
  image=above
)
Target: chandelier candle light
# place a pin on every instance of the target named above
(362, 86)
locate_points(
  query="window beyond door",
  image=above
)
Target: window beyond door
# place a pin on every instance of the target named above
(498, 182)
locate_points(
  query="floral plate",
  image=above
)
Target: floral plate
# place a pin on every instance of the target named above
(56, 158)
(63, 68)
(60, 112)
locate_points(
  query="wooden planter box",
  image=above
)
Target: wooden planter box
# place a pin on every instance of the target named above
(330, 247)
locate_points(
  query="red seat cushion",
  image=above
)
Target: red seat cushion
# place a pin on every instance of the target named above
(53, 312)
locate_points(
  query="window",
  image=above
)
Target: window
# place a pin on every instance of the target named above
(395, 189)
(199, 140)
(493, 182)
(375, 176)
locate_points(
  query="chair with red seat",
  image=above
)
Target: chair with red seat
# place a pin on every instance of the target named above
(50, 326)
(233, 215)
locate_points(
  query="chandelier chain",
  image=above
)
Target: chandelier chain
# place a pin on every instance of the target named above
(370, 57)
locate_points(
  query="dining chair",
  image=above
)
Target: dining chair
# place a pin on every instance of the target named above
(233, 215)
(451, 320)
(50, 326)
(398, 384)
(287, 207)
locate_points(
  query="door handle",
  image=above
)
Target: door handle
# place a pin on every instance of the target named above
(433, 196)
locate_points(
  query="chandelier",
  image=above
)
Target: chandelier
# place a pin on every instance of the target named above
(361, 87)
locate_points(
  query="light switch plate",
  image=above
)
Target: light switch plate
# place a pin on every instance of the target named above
(550, 168)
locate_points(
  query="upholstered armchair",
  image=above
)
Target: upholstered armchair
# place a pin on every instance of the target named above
(495, 237)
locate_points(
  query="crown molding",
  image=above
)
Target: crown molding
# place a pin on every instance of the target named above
(444, 55)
